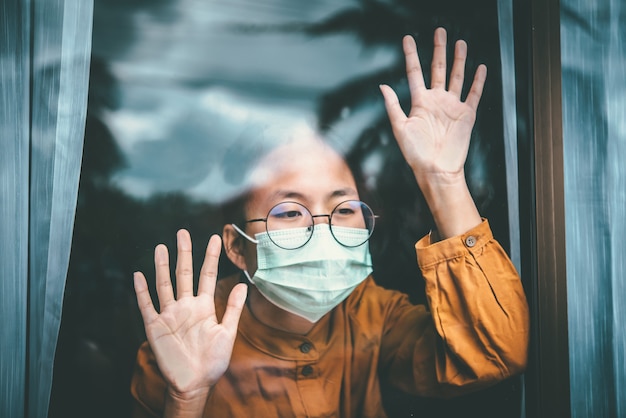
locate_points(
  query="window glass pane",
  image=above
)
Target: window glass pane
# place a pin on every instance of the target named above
(180, 99)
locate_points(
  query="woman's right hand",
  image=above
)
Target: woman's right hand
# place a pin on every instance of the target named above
(192, 348)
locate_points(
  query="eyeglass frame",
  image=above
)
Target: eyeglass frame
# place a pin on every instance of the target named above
(330, 225)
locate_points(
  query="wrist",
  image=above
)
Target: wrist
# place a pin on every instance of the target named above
(450, 202)
(444, 186)
(189, 395)
(188, 404)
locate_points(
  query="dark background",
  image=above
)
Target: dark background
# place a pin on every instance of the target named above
(150, 148)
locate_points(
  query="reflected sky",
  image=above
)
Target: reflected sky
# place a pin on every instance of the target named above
(194, 76)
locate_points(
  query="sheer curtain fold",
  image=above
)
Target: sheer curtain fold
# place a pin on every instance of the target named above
(509, 119)
(594, 143)
(616, 185)
(61, 57)
(14, 167)
(44, 69)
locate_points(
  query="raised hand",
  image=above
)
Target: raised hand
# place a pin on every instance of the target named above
(434, 137)
(192, 348)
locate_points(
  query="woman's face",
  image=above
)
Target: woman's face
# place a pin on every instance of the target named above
(305, 171)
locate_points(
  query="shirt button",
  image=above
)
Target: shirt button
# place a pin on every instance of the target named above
(307, 370)
(305, 347)
(470, 241)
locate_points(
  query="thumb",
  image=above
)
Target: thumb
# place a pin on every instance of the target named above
(392, 104)
(234, 306)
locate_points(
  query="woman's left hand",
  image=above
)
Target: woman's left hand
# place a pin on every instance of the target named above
(434, 138)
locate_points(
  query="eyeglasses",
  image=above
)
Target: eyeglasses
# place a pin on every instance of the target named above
(343, 220)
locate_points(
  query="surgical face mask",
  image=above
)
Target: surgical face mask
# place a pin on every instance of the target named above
(310, 281)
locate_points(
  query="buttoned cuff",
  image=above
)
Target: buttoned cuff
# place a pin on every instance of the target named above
(472, 241)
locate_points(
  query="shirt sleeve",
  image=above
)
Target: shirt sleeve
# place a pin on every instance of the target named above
(476, 333)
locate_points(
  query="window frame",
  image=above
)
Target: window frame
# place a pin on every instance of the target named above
(542, 204)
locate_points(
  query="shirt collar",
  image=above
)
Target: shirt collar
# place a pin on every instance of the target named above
(283, 344)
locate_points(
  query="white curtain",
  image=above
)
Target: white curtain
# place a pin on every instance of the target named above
(14, 163)
(593, 45)
(45, 53)
(509, 119)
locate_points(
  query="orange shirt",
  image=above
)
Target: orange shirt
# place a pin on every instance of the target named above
(474, 334)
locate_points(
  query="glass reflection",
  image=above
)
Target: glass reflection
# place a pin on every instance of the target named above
(178, 86)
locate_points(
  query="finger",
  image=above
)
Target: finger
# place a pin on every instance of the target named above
(458, 68)
(184, 265)
(414, 73)
(392, 104)
(438, 66)
(208, 273)
(144, 300)
(163, 281)
(476, 91)
(236, 300)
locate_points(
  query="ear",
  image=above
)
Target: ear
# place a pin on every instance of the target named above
(234, 246)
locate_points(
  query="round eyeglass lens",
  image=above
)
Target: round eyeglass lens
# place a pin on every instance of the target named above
(289, 225)
(352, 223)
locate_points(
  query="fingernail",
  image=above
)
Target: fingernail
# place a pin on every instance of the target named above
(136, 281)
(159, 254)
(183, 242)
(440, 34)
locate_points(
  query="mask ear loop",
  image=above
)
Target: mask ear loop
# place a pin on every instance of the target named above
(245, 272)
(243, 234)
(252, 240)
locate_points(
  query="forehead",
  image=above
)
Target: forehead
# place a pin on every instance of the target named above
(307, 168)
